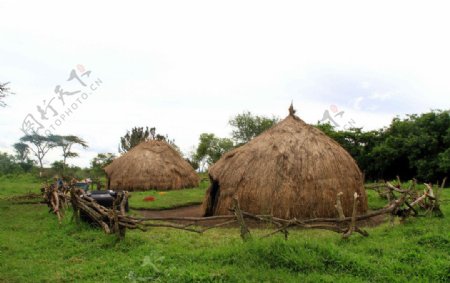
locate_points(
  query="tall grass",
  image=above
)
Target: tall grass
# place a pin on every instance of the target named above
(34, 248)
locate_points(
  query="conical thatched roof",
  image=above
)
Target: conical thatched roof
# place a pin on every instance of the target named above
(151, 165)
(290, 170)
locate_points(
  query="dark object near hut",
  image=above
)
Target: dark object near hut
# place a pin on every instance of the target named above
(104, 198)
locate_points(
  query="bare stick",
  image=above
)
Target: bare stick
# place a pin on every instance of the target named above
(351, 228)
(245, 233)
(339, 206)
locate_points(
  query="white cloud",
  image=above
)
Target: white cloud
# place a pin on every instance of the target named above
(187, 67)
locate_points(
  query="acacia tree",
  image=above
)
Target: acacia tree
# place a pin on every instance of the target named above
(247, 126)
(66, 143)
(39, 146)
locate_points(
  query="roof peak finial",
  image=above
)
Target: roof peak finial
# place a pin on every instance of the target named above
(291, 109)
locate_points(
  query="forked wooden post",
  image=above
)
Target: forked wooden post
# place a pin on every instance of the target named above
(391, 216)
(124, 199)
(339, 206)
(351, 228)
(245, 233)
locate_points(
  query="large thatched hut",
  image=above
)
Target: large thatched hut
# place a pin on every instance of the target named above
(290, 170)
(151, 165)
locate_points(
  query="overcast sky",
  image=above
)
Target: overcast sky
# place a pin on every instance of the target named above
(186, 67)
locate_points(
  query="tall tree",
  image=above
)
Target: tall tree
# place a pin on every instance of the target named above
(211, 148)
(417, 146)
(22, 151)
(8, 164)
(100, 161)
(140, 134)
(40, 146)
(133, 138)
(247, 126)
(66, 143)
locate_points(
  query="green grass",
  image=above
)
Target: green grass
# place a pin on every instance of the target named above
(14, 185)
(34, 248)
(375, 201)
(169, 199)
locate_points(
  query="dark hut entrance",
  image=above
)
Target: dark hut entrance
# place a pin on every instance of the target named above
(213, 198)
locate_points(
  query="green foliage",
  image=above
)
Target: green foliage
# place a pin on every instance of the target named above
(39, 145)
(211, 148)
(101, 161)
(8, 165)
(133, 138)
(66, 143)
(417, 146)
(58, 166)
(22, 151)
(247, 126)
(139, 134)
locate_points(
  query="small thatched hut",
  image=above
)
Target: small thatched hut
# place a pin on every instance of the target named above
(151, 165)
(290, 170)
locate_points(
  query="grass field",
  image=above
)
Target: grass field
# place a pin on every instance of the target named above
(34, 248)
(169, 199)
(12, 185)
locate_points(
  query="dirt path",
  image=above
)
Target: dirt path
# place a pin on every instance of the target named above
(187, 211)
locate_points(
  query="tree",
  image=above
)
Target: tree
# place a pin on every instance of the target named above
(417, 146)
(247, 126)
(8, 164)
(100, 161)
(66, 143)
(138, 135)
(4, 92)
(41, 144)
(58, 167)
(211, 148)
(22, 151)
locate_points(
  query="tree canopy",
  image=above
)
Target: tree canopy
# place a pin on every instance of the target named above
(100, 161)
(39, 145)
(247, 126)
(416, 146)
(139, 134)
(211, 148)
(66, 143)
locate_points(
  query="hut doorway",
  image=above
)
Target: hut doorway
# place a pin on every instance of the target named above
(213, 198)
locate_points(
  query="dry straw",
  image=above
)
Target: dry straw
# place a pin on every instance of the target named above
(151, 165)
(291, 170)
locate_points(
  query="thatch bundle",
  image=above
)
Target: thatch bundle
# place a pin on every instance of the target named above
(291, 170)
(151, 165)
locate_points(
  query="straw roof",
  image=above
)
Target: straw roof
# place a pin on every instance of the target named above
(151, 165)
(290, 170)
